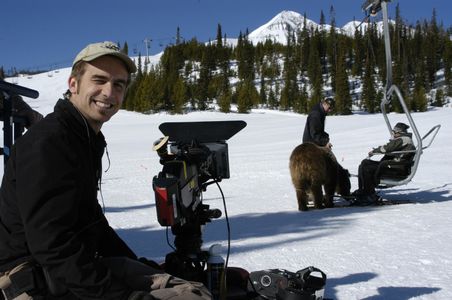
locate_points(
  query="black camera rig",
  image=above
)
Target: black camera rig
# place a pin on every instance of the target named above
(197, 157)
(13, 125)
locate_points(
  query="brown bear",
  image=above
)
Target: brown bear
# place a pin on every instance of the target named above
(312, 167)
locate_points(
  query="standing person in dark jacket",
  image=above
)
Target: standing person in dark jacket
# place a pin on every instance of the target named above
(50, 218)
(402, 142)
(314, 130)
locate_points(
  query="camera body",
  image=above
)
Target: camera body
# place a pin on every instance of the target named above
(198, 152)
(197, 157)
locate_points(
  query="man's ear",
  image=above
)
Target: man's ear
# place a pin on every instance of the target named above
(73, 85)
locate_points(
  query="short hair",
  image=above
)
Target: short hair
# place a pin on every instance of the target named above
(330, 101)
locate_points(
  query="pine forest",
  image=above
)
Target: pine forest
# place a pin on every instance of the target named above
(292, 77)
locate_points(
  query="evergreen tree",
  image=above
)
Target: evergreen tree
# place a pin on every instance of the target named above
(301, 100)
(315, 71)
(290, 89)
(172, 63)
(219, 36)
(179, 94)
(432, 50)
(142, 101)
(225, 100)
(262, 92)
(398, 81)
(178, 36)
(304, 40)
(332, 47)
(322, 44)
(272, 100)
(245, 58)
(439, 98)
(125, 48)
(247, 96)
(369, 92)
(343, 98)
(419, 102)
(358, 51)
(284, 98)
(322, 18)
(156, 93)
(447, 59)
(130, 98)
(202, 92)
(271, 68)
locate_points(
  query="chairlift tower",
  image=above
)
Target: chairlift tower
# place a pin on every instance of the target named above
(147, 42)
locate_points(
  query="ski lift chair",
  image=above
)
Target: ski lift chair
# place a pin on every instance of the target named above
(392, 173)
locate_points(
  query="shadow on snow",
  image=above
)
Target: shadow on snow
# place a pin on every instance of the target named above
(386, 293)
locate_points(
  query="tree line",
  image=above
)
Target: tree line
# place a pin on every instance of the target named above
(313, 63)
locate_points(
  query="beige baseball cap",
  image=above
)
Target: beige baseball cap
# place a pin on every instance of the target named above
(96, 50)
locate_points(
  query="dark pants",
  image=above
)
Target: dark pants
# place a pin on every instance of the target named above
(366, 176)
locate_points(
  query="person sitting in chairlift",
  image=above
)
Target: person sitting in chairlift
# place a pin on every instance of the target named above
(369, 171)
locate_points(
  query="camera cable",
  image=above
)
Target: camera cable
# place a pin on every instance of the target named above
(223, 287)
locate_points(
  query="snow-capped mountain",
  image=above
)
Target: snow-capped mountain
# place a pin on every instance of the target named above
(278, 28)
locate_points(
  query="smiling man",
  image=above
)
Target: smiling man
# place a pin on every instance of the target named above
(50, 219)
(98, 81)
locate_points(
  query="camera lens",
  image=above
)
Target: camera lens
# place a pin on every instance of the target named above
(266, 280)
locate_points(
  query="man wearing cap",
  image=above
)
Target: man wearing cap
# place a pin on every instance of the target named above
(50, 220)
(401, 141)
(314, 130)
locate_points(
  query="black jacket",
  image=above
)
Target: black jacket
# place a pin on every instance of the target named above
(49, 209)
(314, 130)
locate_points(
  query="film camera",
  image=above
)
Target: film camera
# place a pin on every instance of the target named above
(197, 157)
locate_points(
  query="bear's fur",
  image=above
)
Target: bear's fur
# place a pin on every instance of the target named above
(312, 167)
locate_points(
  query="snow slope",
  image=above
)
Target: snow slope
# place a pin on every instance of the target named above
(391, 252)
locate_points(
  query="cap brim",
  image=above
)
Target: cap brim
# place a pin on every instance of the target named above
(128, 62)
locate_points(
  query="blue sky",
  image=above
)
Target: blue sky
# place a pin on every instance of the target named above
(43, 34)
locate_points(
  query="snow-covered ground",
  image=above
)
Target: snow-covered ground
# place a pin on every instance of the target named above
(390, 252)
